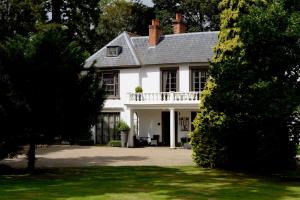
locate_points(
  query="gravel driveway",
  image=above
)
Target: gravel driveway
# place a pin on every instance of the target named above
(77, 156)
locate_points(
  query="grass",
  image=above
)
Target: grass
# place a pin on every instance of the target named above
(123, 183)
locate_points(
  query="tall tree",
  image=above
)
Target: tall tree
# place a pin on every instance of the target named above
(249, 104)
(121, 15)
(13, 111)
(80, 17)
(200, 15)
(20, 17)
(44, 70)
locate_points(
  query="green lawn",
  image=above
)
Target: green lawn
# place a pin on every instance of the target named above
(146, 183)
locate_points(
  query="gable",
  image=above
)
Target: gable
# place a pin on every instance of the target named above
(125, 58)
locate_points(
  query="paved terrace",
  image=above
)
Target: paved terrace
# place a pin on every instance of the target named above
(77, 156)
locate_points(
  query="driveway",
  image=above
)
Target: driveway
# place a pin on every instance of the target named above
(77, 156)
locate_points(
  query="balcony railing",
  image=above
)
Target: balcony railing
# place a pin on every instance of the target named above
(165, 97)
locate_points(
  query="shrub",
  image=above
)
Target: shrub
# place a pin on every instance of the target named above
(138, 89)
(122, 126)
(246, 107)
(115, 143)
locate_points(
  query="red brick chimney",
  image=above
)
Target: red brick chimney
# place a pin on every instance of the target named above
(154, 32)
(178, 25)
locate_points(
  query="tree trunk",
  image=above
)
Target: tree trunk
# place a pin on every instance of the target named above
(56, 11)
(31, 156)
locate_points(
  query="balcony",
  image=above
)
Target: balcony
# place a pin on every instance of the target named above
(164, 98)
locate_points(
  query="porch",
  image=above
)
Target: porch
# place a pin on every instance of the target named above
(160, 127)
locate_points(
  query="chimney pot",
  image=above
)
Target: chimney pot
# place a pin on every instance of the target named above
(178, 25)
(154, 32)
(179, 17)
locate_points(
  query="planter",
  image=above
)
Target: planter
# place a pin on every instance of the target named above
(124, 139)
(138, 96)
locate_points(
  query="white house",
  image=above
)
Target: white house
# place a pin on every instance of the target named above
(172, 71)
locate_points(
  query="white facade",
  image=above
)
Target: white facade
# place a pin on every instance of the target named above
(171, 69)
(149, 108)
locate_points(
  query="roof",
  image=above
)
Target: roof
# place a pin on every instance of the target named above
(176, 48)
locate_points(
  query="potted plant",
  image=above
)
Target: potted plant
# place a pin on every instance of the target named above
(123, 128)
(138, 91)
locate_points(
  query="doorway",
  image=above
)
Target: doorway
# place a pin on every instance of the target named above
(105, 128)
(165, 119)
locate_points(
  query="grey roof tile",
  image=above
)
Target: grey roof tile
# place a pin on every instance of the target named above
(175, 48)
(126, 58)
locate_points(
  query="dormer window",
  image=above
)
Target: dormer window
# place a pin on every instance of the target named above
(113, 51)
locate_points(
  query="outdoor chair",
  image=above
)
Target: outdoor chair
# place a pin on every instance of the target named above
(154, 140)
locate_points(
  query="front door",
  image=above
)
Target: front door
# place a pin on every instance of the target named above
(166, 128)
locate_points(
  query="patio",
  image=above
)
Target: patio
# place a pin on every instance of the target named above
(79, 156)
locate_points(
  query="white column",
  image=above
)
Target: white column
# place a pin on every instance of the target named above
(93, 133)
(172, 128)
(130, 142)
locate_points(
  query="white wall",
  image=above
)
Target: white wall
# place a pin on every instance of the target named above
(129, 79)
(148, 123)
(184, 76)
(150, 78)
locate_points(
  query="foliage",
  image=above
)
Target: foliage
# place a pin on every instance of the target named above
(122, 182)
(200, 15)
(80, 18)
(12, 112)
(114, 143)
(248, 102)
(138, 89)
(121, 15)
(45, 73)
(19, 17)
(122, 126)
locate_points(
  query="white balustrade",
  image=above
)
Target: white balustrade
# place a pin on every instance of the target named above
(164, 97)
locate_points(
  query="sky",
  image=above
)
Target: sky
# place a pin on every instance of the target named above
(148, 2)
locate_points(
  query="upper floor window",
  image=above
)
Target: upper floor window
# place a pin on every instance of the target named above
(113, 51)
(198, 79)
(169, 80)
(110, 81)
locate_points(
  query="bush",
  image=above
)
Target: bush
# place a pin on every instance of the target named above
(246, 107)
(122, 126)
(115, 143)
(138, 89)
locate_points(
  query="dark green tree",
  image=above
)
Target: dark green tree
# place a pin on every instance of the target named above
(20, 17)
(81, 18)
(25, 17)
(120, 15)
(247, 110)
(45, 70)
(12, 113)
(200, 15)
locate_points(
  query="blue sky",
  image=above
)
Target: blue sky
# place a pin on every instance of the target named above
(148, 2)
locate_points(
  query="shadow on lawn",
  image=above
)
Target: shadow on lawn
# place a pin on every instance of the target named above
(143, 183)
(84, 161)
(46, 149)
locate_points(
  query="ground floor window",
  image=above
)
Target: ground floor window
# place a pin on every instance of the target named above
(105, 128)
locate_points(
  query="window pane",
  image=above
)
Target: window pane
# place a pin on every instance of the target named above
(110, 81)
(199, 78)
(169, 81)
